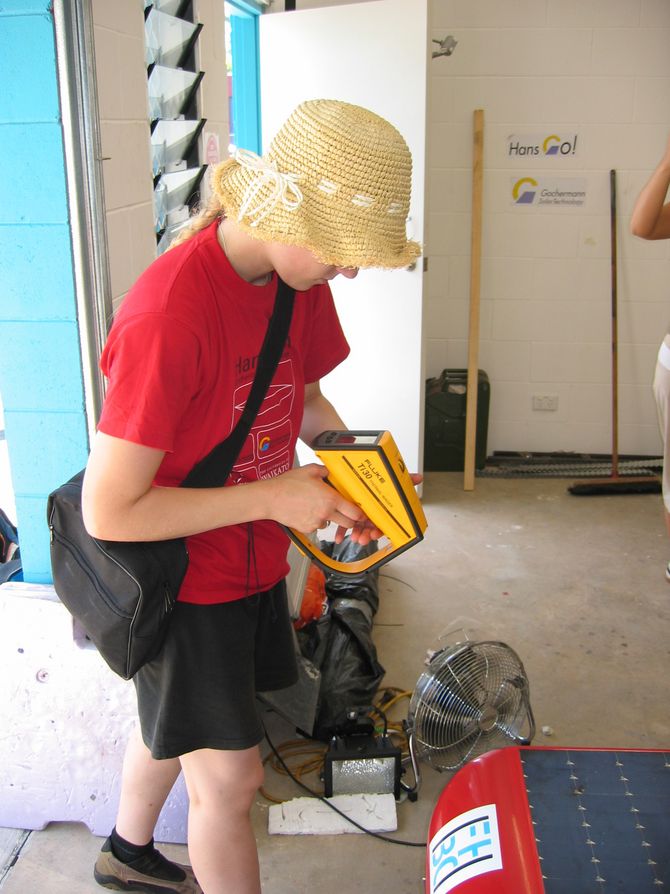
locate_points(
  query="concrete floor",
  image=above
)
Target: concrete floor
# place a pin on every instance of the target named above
(574, 584)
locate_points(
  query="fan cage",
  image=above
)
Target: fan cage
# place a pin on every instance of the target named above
(472, 698)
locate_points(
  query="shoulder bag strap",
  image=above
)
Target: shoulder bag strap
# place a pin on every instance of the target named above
(213, 469)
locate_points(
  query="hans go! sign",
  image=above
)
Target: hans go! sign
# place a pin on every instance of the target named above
(541, 146)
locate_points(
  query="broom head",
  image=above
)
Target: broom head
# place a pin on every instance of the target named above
(616, 484)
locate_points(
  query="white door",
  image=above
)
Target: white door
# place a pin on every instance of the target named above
(374, 55)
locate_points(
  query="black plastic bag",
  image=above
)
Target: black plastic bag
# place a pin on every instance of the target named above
(340, 643)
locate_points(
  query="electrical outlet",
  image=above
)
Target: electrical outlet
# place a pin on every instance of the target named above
(545, 401)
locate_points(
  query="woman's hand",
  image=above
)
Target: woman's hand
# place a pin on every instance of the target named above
(364, 531)
(302, 500)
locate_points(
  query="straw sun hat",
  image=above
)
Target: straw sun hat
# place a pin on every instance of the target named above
(336, 180)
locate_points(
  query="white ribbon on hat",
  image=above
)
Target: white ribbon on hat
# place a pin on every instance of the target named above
(284, 187)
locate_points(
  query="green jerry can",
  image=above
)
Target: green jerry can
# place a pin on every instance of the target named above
(446, 400)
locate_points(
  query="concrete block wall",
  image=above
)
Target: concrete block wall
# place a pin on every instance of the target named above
(40, 366)
(121, 74)
(538, 70)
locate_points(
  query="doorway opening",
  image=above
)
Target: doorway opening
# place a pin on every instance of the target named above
(243, 69)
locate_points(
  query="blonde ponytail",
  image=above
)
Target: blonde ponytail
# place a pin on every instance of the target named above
(202, 218)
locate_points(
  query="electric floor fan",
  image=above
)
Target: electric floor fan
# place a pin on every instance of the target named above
(473, 697)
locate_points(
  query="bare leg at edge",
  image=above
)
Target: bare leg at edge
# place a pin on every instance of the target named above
(222, 786)
(145, 785)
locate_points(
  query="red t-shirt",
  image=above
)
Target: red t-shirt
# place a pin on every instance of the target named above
(180, 359)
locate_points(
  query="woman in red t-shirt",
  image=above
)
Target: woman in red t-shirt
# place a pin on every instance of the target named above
(331, 196)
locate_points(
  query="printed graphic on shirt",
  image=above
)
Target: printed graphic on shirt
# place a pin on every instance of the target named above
(267, 450)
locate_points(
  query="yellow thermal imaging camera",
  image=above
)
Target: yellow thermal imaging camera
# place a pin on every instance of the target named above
(367, 469)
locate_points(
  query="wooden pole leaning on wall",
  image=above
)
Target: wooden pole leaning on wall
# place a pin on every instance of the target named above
(475, 278)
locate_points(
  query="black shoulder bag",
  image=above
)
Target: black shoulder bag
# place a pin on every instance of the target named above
(123, 593)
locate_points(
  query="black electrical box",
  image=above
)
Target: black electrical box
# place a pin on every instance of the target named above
(446, 400)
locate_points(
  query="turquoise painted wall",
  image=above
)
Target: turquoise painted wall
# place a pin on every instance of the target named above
(40, 366)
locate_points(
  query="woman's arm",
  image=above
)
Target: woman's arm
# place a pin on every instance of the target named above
(651, 217)
(318, 415)
(120, 502)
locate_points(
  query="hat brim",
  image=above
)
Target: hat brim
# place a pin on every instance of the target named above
(355, 239)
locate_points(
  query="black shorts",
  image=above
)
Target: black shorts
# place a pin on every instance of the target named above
(200, 691)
